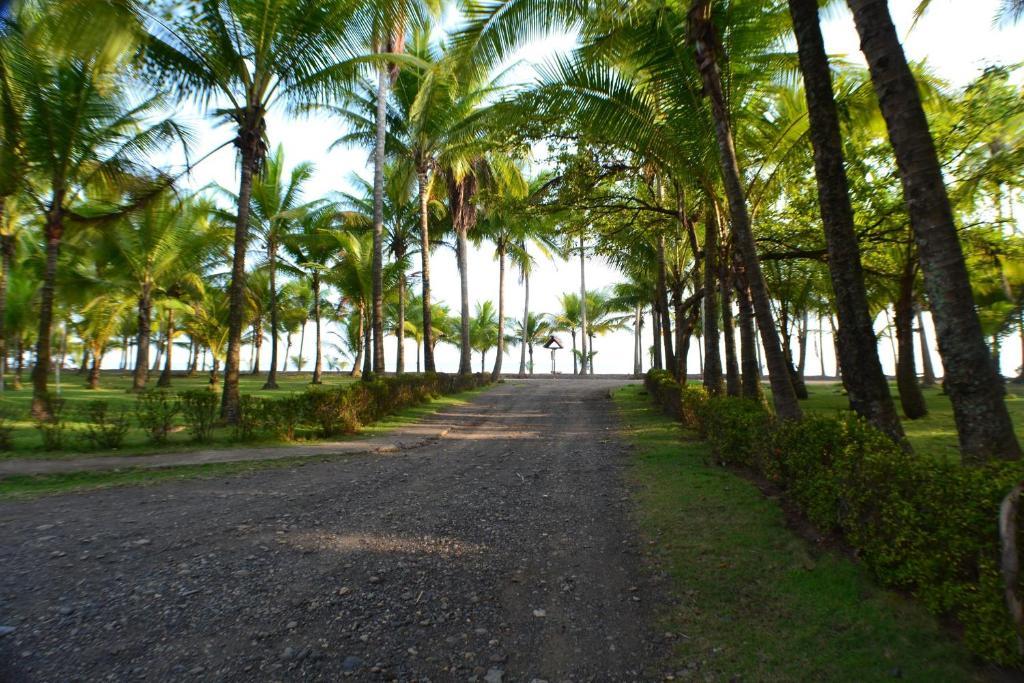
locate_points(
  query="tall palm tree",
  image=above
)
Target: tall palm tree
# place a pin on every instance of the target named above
(84, 142)
(536, 331)
(975, 388)
(252, 55)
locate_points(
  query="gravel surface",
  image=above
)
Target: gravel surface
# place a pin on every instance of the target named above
(504, 551)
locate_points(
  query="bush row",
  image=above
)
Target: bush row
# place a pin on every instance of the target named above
(927, 527)
(318, 411)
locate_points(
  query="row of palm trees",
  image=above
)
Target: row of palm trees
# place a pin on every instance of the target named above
(679, 150)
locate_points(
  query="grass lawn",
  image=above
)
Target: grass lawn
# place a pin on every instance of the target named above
(114, 390)
(16, 487)
(756, 602)
(934, 434)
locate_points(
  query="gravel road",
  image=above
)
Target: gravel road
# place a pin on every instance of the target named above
(504, 551)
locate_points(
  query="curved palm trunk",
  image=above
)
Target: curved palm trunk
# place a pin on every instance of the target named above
(428, 332)
(526, 318)
(54, 230)
(927, 370)
(145, 316)
(584, 359)
(257, 341)
(271, 382)
(465, 352)
(702, 34)
(377, 304)
(867, 389)
(713, 361)
(249, 141)
(194, 362)
(165, 375)
(496, 372)
(318, 364)
(975, 387)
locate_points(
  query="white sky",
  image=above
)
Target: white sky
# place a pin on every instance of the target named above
(956, 37)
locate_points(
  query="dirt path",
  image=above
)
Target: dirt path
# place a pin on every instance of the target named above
(501, 552)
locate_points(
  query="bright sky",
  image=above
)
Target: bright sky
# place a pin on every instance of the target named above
(956, 38)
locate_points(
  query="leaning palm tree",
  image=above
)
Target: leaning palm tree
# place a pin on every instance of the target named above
(975, 388)
(84, 143)
(251, 55)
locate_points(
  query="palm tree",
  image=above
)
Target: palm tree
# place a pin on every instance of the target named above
(536, 331)
(82, 141)
(252, 54)
(276, 205)
(975, 388)
(485, 331)
(569, 320)
(867, 388)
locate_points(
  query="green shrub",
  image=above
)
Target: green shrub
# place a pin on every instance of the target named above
(6, 430)
(918, 525)
(52, 429)
(332, 409)
(155, 411)
(105, 428)
(200, 409)
(282, 416)
(251, 418)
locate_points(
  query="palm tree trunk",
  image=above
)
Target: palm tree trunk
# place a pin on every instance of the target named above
(377, 305)
(664, 325)
(158, 342)
(20, 364)
(257, 340)
(656, 330)
(214, 378)
(249, 141)
(974, 385)
(140, 376)
(302, 346)
(6, 256)
(318, 364)
(358, 361)
(287, 352)
(194, 358)
(496, 372)
(367, 344)
(271, 382)
(637, 360)
(400, 325)
(911, 398)
(750, 367)
(928, 370)
(584, 359)
(575, 369)
(165, 376)
(94, 371)
(712, 359)
(702, 34)
(428, 333)
(867, 389)
(733, 386)
(54, 231)
(526, 318)
(465, 352)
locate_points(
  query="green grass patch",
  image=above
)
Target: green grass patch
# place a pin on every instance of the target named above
(29, 486)
(934, 434)
(755, 600)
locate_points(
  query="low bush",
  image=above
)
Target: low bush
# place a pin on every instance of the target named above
(105, 428)
(919, 525)
(200, 409)
(155, 411)
(53, 428)
(6, 430)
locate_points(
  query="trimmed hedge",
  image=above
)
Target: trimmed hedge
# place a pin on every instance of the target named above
(919, 525)
(333, 411)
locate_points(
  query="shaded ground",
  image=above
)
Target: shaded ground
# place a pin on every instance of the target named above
(503, 550)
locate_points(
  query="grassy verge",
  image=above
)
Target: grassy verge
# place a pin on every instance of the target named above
(934, 434)
(17, 487)
(754, 600)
